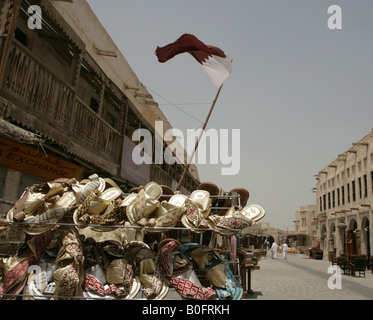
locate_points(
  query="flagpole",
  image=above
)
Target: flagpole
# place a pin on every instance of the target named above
(197, 142)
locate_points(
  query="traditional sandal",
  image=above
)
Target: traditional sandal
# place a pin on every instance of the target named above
(115, 214)
(253, 213)
(69, 273)
(149, 273)
(15, 269)
(100, 207)
(198, 208)
(97, 285)
(53, 214)
(232, 220)
(169, 213)
(216, 269)
(145, 203)
(180, 275)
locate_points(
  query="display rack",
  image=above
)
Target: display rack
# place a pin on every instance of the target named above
(234, 262)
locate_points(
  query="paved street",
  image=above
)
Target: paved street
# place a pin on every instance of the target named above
(301, 278)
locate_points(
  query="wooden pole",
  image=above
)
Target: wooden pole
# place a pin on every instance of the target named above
(197, 142)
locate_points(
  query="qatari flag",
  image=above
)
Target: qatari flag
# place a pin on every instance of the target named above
(213, 60)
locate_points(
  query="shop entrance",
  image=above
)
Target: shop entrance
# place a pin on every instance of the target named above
(353, 239)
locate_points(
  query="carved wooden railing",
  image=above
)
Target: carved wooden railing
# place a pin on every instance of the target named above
(30, 83)
(43, 94)
(92, 129)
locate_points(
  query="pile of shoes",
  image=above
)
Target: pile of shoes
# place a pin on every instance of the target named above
(180, 262)
(66, 239)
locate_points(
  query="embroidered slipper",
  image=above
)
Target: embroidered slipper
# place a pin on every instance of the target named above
(35, 197)
(87, 186)
(147, 270)
(233, 220)
(180, 274)
(233, 289)
(15, 268)
(97, 285)
(115, 214)
(69, 273)
(198, 207)
(216, 269)
(95, 206)
(146, 203)
(169, 213)
(253, 213)
(53, 214)
(94, 289)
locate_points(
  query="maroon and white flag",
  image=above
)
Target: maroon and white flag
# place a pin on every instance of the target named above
(213, 60)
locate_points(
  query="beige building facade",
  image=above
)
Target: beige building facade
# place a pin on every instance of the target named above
(305, 227)
(344, 194)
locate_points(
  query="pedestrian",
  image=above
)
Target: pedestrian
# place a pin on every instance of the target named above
(285, 249)
(274, 249)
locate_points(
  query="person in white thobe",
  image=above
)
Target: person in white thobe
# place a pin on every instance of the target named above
(285, 249)
(274, 249)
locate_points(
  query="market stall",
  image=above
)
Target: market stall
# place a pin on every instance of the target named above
(66, 239)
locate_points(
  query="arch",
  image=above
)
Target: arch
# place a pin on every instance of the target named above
(332, 230)
(352, 238)
(323, 232)
(352, 225)
(365, 236)
(332, 238)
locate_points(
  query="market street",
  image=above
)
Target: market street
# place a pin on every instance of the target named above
(301, 278)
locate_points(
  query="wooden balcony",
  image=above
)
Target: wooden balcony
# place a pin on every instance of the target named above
(42, 102)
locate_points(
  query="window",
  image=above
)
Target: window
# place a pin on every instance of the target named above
(320, 204)
(348, 193)
(343, 195)
(333, 198)
(360, 189)
(353, 191)
(133, 123)
(21, 36)
(328, 200)
(338, 197)
(365, 186)
(110, 119)
(324, 201)
(304, 222)
(94, 104)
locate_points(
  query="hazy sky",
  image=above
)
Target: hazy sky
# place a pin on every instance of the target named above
(299, 92)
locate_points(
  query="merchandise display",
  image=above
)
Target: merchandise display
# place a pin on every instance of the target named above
(69, 239)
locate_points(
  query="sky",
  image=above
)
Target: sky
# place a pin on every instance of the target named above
(299, 93)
